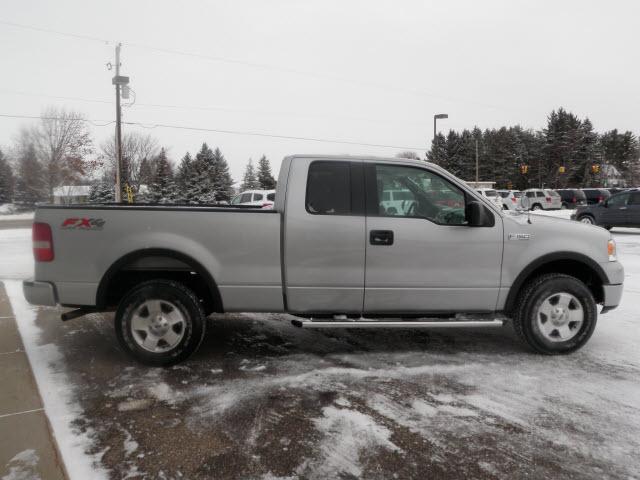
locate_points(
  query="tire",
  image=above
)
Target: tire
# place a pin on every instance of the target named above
(563, 206)
(587, 219)
(504, 207)
(536, 206)
(608, 227)
(539, 330)
(170, 323)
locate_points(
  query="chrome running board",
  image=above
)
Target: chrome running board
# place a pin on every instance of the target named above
(396, 324)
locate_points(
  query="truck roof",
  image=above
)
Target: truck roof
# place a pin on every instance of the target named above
(366, 158)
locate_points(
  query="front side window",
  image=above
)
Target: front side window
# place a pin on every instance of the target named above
(329, 188)
(245, 198)
(413, 192)
(618, 200)
(257, 197)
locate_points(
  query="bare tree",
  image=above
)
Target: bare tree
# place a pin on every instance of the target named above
(137, 151)
(62, 141)
(408, 154)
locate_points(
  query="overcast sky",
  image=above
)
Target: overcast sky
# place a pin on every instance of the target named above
(362, 71)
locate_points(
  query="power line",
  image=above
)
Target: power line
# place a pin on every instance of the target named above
(215, 108)
(223, 131)
(265, 66)
(56, 32)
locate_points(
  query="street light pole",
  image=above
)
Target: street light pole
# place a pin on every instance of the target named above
(435, 119)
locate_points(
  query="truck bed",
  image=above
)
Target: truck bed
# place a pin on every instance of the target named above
(239, 247)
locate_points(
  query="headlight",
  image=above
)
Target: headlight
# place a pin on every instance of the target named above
(611, 250)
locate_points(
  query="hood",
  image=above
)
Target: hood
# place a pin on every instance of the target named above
(559, 228)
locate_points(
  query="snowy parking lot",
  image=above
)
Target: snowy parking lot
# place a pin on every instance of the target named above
(262, 399)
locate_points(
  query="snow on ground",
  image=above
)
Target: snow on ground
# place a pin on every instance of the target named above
(9, 211)
(54, 386)
(263, 399)
(16, 257)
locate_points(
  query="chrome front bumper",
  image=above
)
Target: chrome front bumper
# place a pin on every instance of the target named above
(39, 293)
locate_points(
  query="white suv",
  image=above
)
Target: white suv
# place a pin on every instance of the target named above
(510, 199)
(491, 195)
(546, 199)
(258, 198)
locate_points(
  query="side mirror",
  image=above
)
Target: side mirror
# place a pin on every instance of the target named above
(477, 215)
(525, 203)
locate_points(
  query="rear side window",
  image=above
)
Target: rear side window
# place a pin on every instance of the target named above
(245, 198)
(491, 193)
(328, 188)
(271, 197)
(539, 194)
(635, 198)
(504, 194)
(257, 197)
(531, 194)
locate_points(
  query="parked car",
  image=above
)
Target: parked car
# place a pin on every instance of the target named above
(596, 195)
(619, 210)
(572, 197)
(258, 198)
(330, 253)
(510, 199)
(543, 199)
(491, 195)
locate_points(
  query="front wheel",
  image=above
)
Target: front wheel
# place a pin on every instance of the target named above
(555, 314)
(536, 207)
(160, 322)
(588, 219)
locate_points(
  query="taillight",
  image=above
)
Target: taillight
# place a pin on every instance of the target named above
(600, 198)
(548, 199)
(574, 200)
(514, 199)
(42, 242)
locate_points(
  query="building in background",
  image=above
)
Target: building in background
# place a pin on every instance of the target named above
(68, 194)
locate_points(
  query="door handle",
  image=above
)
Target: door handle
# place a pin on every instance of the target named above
(381, 237)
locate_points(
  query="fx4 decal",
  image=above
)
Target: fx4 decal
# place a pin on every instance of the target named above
(83, 223)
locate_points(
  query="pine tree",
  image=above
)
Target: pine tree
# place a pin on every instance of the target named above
(162, 188)
(249, 180)
(6, 180)
(222, 181)
(186, 181)
(102, 192)
(30, 186)
(204, 171)
(265, 178)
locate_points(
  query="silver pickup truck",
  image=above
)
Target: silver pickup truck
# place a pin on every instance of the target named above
(351, 242)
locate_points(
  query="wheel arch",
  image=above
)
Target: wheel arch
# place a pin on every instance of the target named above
(177, 262)
(571, 263)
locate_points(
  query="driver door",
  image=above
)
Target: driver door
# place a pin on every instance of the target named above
(614, 211)
(423, 258)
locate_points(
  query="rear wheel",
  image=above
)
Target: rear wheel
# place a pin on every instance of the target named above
(588, 219)
(160, 322)
(555, 314)
(563, 206)
(536, 206)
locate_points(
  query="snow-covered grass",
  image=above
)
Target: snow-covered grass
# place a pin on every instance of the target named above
(9, 211)
(16, 257)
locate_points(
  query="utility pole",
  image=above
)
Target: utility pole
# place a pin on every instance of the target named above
(477, 164)
(118, 81)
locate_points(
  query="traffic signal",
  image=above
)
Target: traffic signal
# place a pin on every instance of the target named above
(595, 168)
(524, 169)
(562, 169)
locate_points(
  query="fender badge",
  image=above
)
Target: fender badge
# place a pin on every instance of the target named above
(519, 236)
